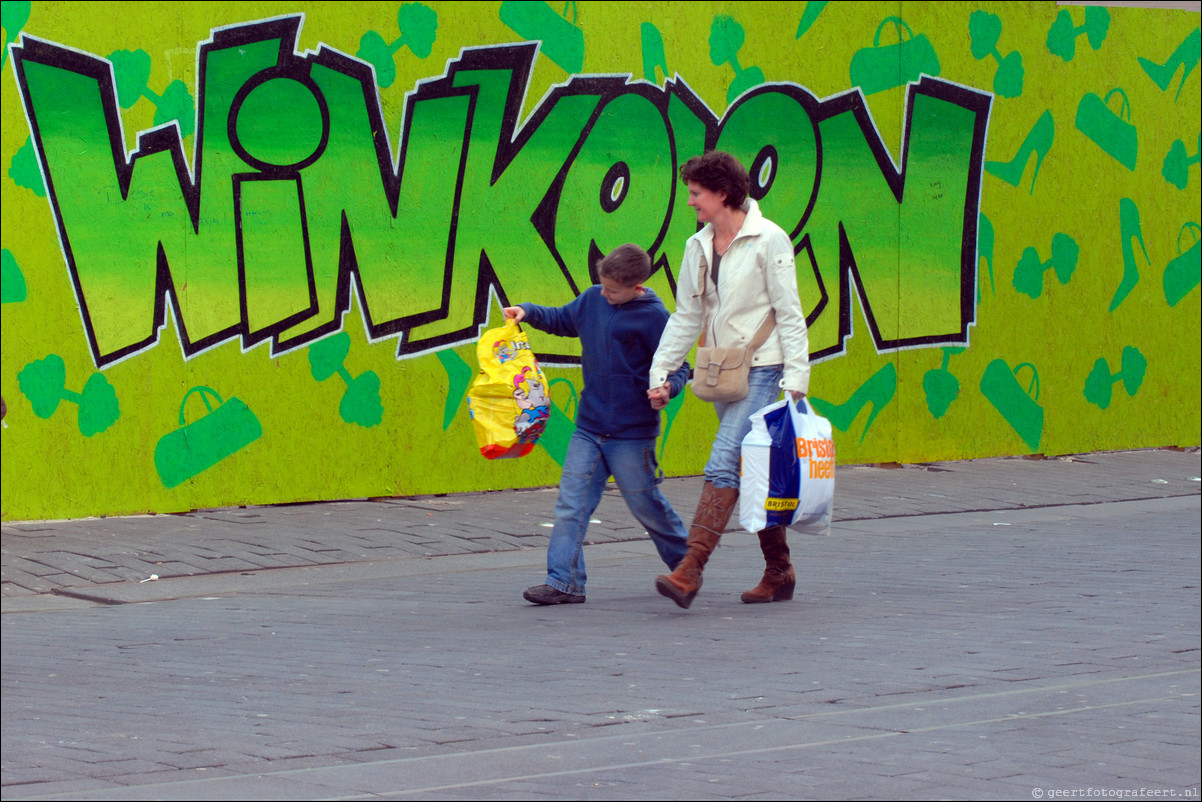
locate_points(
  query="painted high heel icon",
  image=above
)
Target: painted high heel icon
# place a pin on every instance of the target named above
(1129, 228)
(1187, 54)
(878, 391)
(985, 249)
(808, 17)
(1038, 140)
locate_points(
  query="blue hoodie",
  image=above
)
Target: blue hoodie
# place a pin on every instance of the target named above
(617, 345)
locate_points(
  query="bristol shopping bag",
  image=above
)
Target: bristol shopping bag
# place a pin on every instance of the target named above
(788, 470)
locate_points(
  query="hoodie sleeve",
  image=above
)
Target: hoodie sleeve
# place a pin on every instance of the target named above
(557, 320)
(679, 379)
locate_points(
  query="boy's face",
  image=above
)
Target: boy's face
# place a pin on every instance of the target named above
(617, 293)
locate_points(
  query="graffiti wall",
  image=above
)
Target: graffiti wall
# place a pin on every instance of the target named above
(249, 248)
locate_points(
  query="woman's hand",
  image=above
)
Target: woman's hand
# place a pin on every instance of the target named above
(515, 313)
(659, 396)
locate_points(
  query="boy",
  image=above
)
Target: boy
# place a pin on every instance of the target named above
(619, 322)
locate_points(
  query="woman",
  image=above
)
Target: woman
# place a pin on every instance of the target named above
(736, 271)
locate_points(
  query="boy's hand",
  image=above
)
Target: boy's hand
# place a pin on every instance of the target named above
(515, 313)
(659, 396)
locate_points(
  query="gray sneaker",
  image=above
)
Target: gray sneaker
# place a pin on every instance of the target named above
(545, 594)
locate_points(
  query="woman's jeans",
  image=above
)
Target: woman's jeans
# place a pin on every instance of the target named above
(734, 422)
(590, 461)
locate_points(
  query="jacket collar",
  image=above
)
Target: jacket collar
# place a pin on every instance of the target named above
(753, 225)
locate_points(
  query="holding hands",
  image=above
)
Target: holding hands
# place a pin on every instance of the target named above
(659, 396)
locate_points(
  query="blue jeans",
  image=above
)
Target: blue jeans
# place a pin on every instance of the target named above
(590, 461)
(734, 422)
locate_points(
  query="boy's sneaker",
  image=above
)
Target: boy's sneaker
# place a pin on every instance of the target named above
(545, 594)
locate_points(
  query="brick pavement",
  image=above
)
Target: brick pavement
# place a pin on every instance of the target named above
(62, 556)
(996, 629)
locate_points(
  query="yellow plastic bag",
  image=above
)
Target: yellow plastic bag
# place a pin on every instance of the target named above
(508, 400)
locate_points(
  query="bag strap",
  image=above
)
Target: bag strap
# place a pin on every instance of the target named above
(761, 336)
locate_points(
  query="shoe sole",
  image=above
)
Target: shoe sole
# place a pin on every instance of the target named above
(666, 588)
(544, 603)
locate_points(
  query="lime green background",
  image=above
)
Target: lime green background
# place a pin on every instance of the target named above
(309, 452)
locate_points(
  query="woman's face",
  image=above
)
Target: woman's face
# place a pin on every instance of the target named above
(707, 203)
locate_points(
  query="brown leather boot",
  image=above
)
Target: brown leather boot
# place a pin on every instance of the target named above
(779, 579)
(709, 522)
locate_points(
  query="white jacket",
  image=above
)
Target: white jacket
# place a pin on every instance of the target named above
(757, 271)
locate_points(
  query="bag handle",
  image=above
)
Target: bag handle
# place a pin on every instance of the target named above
(574, 398)
(1034, 378)
(205, 392)
(1125, 109)
(898, 23)
(1185, 228)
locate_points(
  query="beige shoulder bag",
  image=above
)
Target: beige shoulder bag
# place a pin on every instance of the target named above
(721, 373)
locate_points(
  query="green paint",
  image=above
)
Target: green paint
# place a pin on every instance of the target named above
(196, 447)
(1184, 271)
(459, 378)
(13, 16)
(12, 280)
(24, 171)
(726, 40)
(881, 67)
(985, 31)
(360, 402)
(876, 393)
(1100, 383)
(902, 236)
(1038, 141)
(560, 40)
(1062, 36)
(809, 17)
(1111, 131)
(1177, 163)
(1028, 275)
(652, 45)
(1129, 229)
(940, 386)
(1019, 406)
(1184, 57)
(44, 383)
(307, 198)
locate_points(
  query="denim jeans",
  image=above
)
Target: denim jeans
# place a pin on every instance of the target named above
(590, 461)
(734, 422)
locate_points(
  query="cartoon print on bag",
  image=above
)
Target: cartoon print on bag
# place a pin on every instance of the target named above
(535, 404)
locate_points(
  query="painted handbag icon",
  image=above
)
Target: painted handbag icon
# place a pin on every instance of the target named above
(881, 67)
(1184, 272)
(1018, 405)
(1112, 132)
(197, 446)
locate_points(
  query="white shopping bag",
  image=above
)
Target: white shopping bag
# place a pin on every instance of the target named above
(788, 470)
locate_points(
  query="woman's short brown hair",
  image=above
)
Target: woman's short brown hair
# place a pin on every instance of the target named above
(718, 171)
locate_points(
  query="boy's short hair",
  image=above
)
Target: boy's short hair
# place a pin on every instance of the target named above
(626, 264)
(718, 171)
